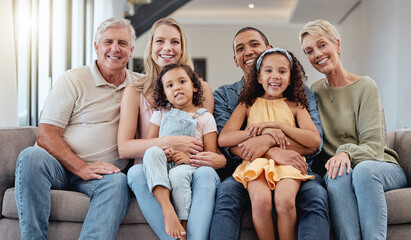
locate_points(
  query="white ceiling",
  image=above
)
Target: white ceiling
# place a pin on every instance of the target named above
(265, 12)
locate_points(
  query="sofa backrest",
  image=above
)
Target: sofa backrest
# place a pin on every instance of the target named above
(400, 141)
(12, 142)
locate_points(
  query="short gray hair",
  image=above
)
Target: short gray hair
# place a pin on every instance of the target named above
(117, 23)
(320, 28)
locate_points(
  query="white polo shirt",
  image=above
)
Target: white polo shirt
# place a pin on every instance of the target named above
(88, 108)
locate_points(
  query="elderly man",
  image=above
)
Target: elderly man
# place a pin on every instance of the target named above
(77, 141)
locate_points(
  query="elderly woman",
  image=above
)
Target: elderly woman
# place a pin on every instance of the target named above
(359, 167)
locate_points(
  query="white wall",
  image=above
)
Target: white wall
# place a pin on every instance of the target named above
(375, 40)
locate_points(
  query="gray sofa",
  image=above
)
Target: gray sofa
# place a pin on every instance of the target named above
(68, 209)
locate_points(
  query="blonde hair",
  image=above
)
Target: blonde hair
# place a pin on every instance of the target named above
(151, 70)
(320, 28)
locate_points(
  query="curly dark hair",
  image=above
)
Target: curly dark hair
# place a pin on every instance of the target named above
(295, 91)
(160, 96)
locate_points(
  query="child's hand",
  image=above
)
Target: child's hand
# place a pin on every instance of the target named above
(180, 158)
(278, 136)
(256, 129)
(169, 154)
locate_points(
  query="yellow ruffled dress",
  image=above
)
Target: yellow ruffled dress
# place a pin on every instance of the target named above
(264, 110)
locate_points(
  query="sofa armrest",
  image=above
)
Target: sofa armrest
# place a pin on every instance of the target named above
(402, 145)
(12, 142)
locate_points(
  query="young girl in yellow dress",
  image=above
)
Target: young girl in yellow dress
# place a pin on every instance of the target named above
(273, 102)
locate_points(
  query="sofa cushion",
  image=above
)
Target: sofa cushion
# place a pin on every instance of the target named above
(69, 206)
(398, 209)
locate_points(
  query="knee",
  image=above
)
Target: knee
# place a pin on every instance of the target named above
(365, 172)
(261, 205)
(231, 189)
(312, 196)
(284, 203)
(152, 154)
(116, 184)
(32, 161)
(335, 185)
(206, 175)
(135, 173)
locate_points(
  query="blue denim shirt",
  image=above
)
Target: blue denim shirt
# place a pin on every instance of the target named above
(226, 100)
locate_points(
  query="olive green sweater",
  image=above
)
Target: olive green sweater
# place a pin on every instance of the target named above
(352, 120)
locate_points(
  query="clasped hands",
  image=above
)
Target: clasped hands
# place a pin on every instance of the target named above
(266, 141)
(176, 156)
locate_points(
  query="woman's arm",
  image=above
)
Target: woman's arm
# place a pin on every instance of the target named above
(208, 97)
(231, 134)
(129, 147)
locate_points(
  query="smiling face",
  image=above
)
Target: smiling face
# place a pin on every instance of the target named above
(113, 50)
(179, 89)
(166, 46)
(274, 75)
(322, 53)
(248, 46)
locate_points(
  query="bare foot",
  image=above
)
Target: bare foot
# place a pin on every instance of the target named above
(184, 224)
(173, 227)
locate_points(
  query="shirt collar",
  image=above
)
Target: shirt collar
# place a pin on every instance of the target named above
(237, 86)
(100, 81)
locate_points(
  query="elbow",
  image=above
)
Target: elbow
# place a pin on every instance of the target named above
(311, 151)
(314, 146)
(122, 153)
(42, 137)
(221, 142)
(317, 143)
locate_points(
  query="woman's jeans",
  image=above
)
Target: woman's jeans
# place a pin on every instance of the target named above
(37, 172)
(204, 185)
(357, 202)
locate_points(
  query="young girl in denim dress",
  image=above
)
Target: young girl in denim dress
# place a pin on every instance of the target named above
(178, 95)
(273, 102)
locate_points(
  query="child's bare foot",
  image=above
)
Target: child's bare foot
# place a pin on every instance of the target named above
(184, 224)
(173, 227)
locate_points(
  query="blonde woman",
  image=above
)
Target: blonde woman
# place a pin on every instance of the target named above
(360, 168)
(167, 44)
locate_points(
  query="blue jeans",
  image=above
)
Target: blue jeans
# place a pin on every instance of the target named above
(37, 172)
(311, 202)
(204, 184)
(357, 201)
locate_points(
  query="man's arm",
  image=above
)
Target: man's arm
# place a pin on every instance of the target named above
(315, 116)
(222, 112)
(50, 138)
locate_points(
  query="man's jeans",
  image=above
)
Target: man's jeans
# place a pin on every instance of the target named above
(37, 172)
(204, 184)
(357, 201)
(311, 201)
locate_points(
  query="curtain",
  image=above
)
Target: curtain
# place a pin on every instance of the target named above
(52, 36)
(8, 81)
